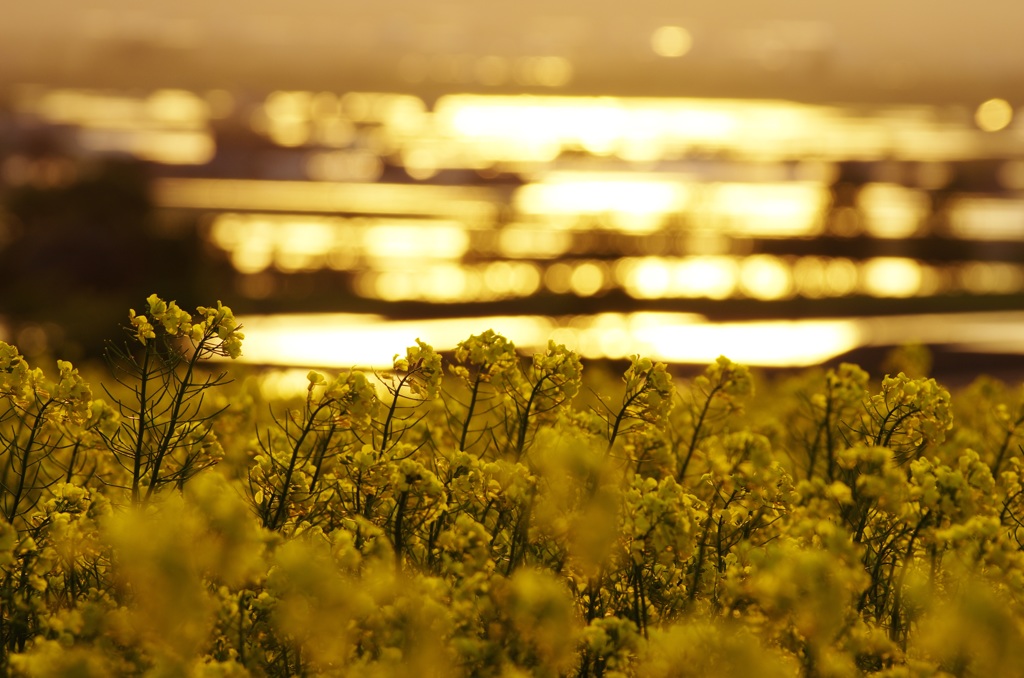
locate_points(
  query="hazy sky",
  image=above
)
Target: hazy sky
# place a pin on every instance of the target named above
(807, 49)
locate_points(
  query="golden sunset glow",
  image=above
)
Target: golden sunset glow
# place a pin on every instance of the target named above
(538, 338)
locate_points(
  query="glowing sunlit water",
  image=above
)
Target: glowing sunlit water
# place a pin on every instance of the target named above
(425, 259)
(682, 187)
(436, 242)
(347, 341)
(342, 341)
(477, 131)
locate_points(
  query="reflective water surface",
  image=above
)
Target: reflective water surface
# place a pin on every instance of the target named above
(776, 232)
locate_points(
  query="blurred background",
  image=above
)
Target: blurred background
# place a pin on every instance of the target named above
(787, 183)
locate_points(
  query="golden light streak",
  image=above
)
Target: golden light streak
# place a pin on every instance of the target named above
(484, 129)
(168, 126)
(630, 204)
(296, 242)
(991, 277)
(173, 108)
(715, 277)
(987, 218)
(532, 241)
(491, 128)
(398, 259)
(470, 203)
(170, 147)
(449, 282)
(793, 209)
(343, 341)
(776, 343)
(402, 240)
(536, 128)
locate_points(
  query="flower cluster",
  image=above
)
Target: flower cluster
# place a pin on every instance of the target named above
(213, 323)
(421, 360)
(649, 389)
(501, 522)
(487, 355)
(556, 377)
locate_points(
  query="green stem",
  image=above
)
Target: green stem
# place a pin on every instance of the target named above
(699, 565)
(399, 524)
(639, 599)
(27, 452)
(241, 628)
(520, 537)
(11, 452)
(1005, 446)
(73, 460)
(621, 417)
(319, 456)
(876, 571)
(469, 413)
(884, 440)
(386, 433)
(525, 420)
(696, 434)
(179, 399)
(140, 438)
(593, 596)
(291, 466)
(895, 627)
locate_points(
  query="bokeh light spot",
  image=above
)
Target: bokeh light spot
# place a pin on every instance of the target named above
(993, 115)
(892, 211)
(587, 279)
(671, 41)
(891, 277)
(706, 276)
(558, 278)
(765, 276)
(841, 277)
(649, 278)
